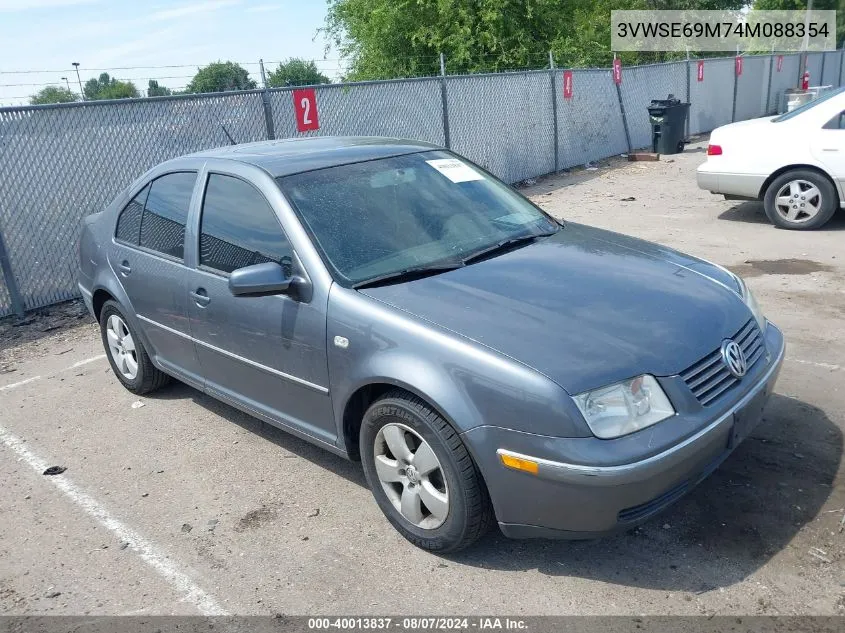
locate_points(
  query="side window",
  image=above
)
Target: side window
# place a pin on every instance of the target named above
(166, 213)
(836, 123)
(238, 228)
(129, 221)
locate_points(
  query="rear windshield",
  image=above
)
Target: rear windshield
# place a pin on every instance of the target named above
(808, 106)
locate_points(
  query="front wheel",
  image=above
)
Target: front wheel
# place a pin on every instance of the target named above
(422, 476)
(800, 199)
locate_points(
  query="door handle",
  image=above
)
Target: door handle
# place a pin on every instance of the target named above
(830, 149)
(125, 268)
(200, 297)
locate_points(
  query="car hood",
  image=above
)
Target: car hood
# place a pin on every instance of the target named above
(585, 307)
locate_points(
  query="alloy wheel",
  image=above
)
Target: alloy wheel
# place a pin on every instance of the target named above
(122, 347)
(411, 476)
(798, 201)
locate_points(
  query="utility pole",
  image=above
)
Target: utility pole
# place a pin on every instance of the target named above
(79, 79)
(263, 76)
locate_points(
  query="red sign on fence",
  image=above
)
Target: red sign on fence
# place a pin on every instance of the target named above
(305, 107)
(617, 70)
(780, 62)
(701, 70)
(738, 65)
(567, 84)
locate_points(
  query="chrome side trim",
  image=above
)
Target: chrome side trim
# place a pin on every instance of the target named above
(562, 471)
(269, 370)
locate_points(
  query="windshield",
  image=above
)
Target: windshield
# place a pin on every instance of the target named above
(808, 106)
(384, 216)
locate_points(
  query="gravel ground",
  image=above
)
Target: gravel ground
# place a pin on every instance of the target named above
(185, 505)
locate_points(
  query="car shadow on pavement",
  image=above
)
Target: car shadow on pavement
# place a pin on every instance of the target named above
(750, 509)
(290, 444)
(751, 211)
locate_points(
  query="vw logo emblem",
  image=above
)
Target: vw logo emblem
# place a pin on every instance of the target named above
(734, 358)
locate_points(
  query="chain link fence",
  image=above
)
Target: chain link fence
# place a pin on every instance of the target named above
(59, 163)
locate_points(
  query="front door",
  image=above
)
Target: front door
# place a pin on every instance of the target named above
(147, 255)
(268, 354)
(828, 147)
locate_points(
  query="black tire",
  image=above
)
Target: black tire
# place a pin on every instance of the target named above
(149, 378)
(828, 205)
(470, 513)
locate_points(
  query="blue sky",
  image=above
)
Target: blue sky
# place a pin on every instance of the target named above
(47, 35)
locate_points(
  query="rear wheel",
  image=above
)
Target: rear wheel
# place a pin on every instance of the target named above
(422, 476)
(800, 199)
(128, 358)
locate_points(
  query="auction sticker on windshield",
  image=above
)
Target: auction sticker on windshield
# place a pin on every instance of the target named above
(455, 170)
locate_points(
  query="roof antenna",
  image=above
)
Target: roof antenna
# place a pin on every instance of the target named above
(228, 136)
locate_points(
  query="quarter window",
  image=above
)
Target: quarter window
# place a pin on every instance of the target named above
(129, 221)
(166, 213)
(239, 228)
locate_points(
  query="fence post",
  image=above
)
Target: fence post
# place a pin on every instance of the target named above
(554, 105)
(689, 96)
(446, 139)
(265, 102)
(736, 83)
(767, 110)
(622, 110)
(9, 276)
(841, 64)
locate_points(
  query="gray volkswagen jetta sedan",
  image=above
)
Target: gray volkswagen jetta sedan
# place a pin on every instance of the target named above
(395, 304)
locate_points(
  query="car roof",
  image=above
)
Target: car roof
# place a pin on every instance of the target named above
(292, 156)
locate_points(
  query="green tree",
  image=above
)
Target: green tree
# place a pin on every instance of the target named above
(53, 94)
(154, 90)
(220, 77)
(106, 87)
(395, 38)
(818, 5)
(296, 72)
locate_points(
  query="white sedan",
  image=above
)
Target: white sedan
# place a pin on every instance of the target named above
(794, 163)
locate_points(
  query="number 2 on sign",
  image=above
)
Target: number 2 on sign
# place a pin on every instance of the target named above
(305, 107)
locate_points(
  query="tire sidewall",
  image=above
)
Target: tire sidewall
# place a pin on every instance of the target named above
(829, 197)
(394, 410)
(111, 308)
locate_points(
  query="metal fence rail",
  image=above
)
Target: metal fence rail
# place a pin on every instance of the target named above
(59, 163)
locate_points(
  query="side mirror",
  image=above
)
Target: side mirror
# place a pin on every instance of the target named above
(262, 279)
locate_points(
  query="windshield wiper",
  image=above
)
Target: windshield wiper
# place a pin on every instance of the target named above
(407, 274)
(503, 245)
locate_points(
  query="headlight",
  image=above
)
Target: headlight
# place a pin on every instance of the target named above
(625, 407)
(751, 302)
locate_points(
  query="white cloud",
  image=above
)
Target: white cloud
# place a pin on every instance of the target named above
(189, 9)
(24, 5)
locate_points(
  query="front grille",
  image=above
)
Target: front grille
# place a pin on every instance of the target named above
(709, 378)
(635, 513)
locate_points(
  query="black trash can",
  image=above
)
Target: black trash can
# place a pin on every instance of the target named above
(668, 124)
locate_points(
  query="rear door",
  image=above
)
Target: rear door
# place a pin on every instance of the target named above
(267, 354)
(147, 256)
(828, 147)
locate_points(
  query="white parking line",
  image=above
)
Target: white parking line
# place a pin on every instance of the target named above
(18, 384)
(149, 553)
(815, 364)
(85, 362)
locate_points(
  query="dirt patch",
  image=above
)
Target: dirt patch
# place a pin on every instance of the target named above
(758, 267)
(258, 517)
(51, 330)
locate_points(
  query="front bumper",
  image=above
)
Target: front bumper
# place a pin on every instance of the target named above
(567, 499)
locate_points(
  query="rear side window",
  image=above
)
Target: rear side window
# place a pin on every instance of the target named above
(166, 213)
(129, 221)
(239, 228)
